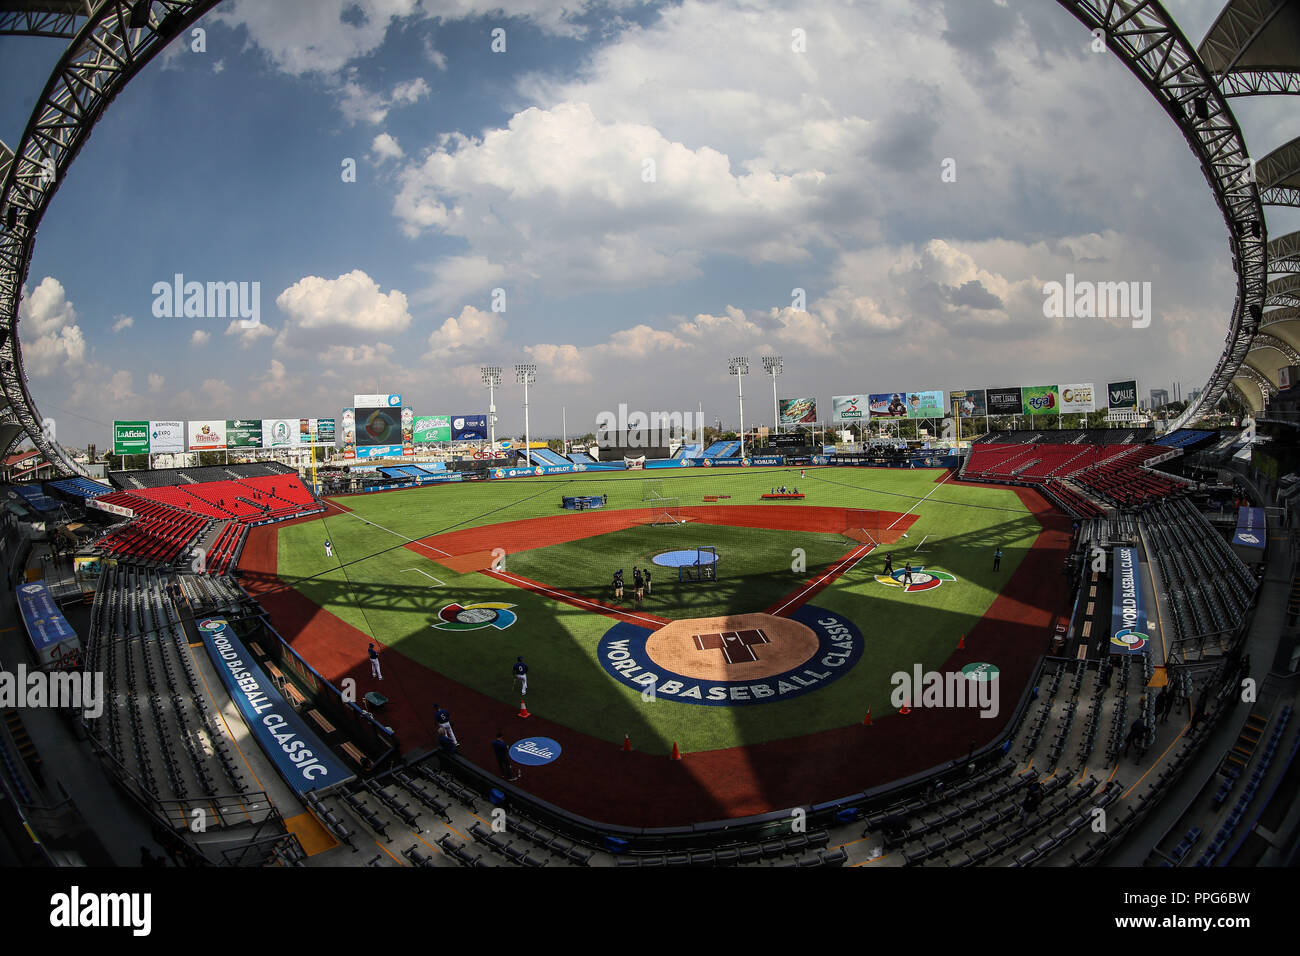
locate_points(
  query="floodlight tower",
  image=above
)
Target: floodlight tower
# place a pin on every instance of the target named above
(526, 375)
(492, 379)
(739, 367)
(773, 365)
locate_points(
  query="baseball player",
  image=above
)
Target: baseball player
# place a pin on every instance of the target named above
(889, 564)
(618, 584)
(521, 672)
(329, 549)
(907, 574)
(374, 663)
(638, 584)
(647, 582)
(444, 724)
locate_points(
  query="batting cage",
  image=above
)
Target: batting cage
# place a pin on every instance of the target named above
(703, 568)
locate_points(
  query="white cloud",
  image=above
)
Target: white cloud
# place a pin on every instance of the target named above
(156, 383)
(200, 337)
(385, 147)
(466, 334)
(341, 310)
(122, 322)
(48, 330)
(248, 337)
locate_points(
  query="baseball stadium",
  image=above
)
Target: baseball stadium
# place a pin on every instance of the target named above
(867, 625)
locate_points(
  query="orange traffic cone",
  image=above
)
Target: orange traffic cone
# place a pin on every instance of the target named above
(961, 643)
(523, 710)
(904, 710)
(677, 754)
(866, 721)
(627, 744)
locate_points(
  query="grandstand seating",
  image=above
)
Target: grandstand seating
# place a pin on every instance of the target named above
(1185, 438)
(81, 487)
(688, 451)
(580, 458)
(548, 458)
(722, 449)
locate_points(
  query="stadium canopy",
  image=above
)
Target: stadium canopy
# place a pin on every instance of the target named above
(1253, 49)
(1250, 50)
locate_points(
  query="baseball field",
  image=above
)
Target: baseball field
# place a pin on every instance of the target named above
(791, 640)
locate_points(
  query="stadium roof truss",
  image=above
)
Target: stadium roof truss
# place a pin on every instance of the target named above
(116, 39)
(1249, 42)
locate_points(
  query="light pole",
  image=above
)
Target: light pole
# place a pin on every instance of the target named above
(492, 379)
(773, 365)
(526, 375)
(739, 367)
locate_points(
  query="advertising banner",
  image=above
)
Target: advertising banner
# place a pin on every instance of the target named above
(280, 432)
(303, 761)
(376, 451)
(433, 428)
(318, 430)
(972, 404)
(925, 405)
(130, 438)
(166, 437)
(798, 411)
(1251, 535)
(888, 405)
(408, 431)
(1076, 399)
(206, 435)
(849, 408)
(349, 433)
(244, 433)
(1128, 614)
(1041, 400)
(1003, 401)
(1120, 395)
(52, 637)
(469, 427)
(377, 401)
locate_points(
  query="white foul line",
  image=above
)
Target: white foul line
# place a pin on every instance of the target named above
(392, 532)
(418, 571)
(568, 598)
(843, 569)
(921, 502)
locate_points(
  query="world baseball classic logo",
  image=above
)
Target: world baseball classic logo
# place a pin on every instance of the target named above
(921, 580)
(474, 617)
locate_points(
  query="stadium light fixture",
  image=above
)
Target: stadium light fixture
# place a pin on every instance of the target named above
(739, 367)
(492, 379)
(774, 366)
(526, 375)
(140, 14)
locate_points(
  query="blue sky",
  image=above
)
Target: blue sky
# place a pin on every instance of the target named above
(523, 170)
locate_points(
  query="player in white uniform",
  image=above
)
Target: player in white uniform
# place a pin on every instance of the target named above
(329, 550)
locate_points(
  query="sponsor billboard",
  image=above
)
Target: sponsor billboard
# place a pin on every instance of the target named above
(244, 433)
(209, 435)
(319, 430)
(377, 401)
(1128, 613)
(1041, 399)
(376, 451)
(972, 403)
(433, 428)
(1003, 401)
(166, 437)
(349, 435)
(798, 411)
(925, 405)
(1078, 398)
(1122, 395)
(849, 408)
(469, 427)
(280, 432)
(408, 431)
(888, 405)
(130, 438)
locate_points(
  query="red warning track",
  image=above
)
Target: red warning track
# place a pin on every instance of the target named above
(596, 780)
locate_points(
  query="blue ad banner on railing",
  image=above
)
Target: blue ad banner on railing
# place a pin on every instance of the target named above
(1128, 612)
(1252, 529)
(298, 754)
(762, 460)
(52, 637)
(536, 471)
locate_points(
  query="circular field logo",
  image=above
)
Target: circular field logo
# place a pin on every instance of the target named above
(535, 751)
(473, 617)
(980, 670)
(921, 580)
(211, 626)
(735, 660)
(1127, 639)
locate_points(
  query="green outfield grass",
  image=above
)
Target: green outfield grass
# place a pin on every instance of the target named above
(393, 593)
